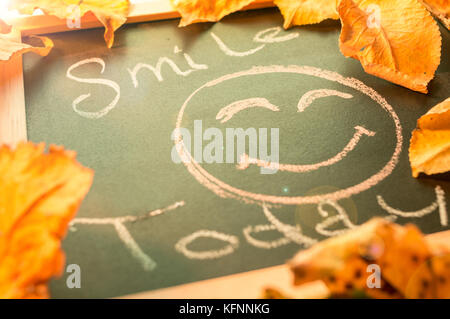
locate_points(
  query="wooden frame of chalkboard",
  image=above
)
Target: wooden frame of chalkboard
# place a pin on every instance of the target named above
(13, 130)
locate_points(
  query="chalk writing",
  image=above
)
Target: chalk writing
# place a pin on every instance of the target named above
(341, 216)
(249, 230)
(294, 233)
(157, 70)
(81, 98)
(439, 204)
(181, 245)
(265, 36)
(118, 223)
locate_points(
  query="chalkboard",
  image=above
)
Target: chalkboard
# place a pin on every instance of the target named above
(149, 222)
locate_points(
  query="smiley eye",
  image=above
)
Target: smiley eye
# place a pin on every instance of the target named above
(228, 111)
(310, 96)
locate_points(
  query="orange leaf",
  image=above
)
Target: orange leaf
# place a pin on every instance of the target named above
(341, 262)
(112, 14)
(300, 12)
(193, 11)
(40, 195)
(429, 150)
(439, 8)
(398, 252)
(395, 40)
(11, 45)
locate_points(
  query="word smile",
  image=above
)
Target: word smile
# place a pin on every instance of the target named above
(262, 38)
(235, 139)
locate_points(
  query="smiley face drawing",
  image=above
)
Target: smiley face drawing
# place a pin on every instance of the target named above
(327, 134)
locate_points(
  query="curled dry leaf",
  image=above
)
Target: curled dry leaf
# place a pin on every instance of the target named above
(301, 12)
(11, 45)
(395, 40)
(440, 9)
(403, 256)
(429, 150)
(112, 13)
(40, 195)
(193, 11)
(341, 262)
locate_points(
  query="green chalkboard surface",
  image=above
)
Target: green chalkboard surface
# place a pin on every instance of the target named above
(341, 136)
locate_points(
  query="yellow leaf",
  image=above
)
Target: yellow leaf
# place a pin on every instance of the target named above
(112, 14)
(437, 118)
(300, 12)
(439, 8)
(193, 11)
(429, 150)
(11, 45)
(396, 40)
(40, 194)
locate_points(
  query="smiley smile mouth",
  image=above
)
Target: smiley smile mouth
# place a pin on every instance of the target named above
(246, 161)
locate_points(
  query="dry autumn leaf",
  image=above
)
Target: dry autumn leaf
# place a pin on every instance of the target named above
(395, 40)
(193, 11)
(433, 275)
(429, 150)
(301, 12)
(112, 14)
(402, 254)
(11, 45)
(341, 262)
(40, 195)
(440, 9)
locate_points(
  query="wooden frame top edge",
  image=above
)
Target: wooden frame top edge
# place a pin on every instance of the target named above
(139, 12)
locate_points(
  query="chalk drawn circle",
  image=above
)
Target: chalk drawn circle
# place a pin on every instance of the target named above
(225, 190)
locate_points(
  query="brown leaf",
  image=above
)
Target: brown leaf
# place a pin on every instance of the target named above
(301, 12)
(396, 40)
(193, 11)
(40, 195)
(112, 14)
